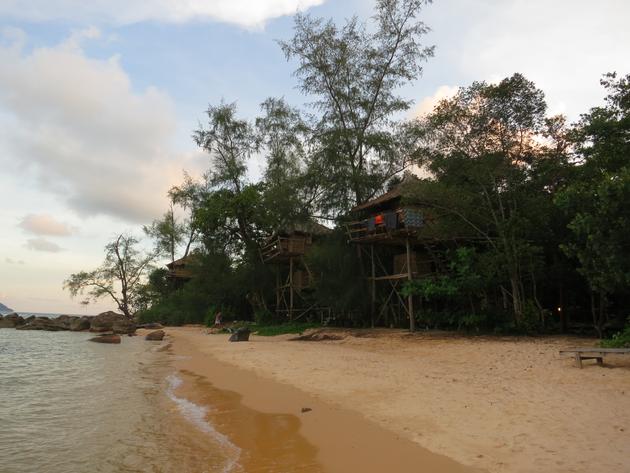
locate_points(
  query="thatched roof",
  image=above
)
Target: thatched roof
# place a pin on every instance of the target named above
(394, 194)
(180, 262)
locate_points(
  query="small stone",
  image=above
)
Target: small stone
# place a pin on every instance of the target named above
(156, 336)
(306, 409)
(106, 339)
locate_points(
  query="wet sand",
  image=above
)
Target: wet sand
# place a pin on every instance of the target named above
(264, 419)
(381, 398)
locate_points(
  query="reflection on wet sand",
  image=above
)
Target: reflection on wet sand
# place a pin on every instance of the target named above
(267, 442)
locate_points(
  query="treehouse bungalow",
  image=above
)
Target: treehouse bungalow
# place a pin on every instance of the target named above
(286, 250)
(395, 239)
(179, 271)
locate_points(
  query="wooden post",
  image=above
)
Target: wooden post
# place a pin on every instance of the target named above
(412, 321)
(278, 289)
(291, 288)
(373, 286)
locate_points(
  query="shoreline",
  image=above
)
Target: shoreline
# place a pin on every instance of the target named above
(491, 403)
(327, 438)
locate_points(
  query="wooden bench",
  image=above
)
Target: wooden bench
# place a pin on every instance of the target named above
(592, 354)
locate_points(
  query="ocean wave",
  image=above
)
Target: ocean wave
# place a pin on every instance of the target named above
(196, 415)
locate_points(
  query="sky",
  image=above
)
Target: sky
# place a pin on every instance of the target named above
(98, 101)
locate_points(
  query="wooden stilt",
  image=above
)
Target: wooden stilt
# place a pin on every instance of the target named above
(278, 289)
(412, 321)
(373, 286)
(291, 288)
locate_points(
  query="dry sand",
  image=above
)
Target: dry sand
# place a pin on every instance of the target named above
(501, 405)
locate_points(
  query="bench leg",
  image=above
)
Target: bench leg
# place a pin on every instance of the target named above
(578, 360)
(600, 361)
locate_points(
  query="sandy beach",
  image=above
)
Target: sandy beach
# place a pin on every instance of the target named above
(445, 402)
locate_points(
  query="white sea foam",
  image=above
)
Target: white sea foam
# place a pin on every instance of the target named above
(196, 415)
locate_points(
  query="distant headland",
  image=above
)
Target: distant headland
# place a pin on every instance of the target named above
(5, 310)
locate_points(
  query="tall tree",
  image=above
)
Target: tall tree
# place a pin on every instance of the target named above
(354, 72)
(167, 233)
(283, 138)
(119, 278)
(486, 147)
(598, 199)
(189, 197)
(230, 216)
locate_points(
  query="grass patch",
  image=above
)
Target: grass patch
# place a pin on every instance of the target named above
(282, 329)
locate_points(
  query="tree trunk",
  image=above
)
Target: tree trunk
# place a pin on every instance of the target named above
(517, 298)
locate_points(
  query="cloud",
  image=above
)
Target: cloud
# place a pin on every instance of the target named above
(77, 125)
(12, 261)
(564, 46)
(41, 244)
(246, 13)
(45, 225)
(428, 103)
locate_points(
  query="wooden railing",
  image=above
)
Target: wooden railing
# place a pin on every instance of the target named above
(284, 246)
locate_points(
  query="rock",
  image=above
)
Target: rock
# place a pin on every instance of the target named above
(151, 326)
(124, 326)
(79, 324)
(106, 339)
(44, 323)
(158, 335)
(11, 321)
(306, 409)
(29, 319)
(63, 321)
(104, 322)
(241, 335)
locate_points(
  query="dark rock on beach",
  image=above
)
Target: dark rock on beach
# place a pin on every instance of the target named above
(11, 321)
(151, 326)
(124, 326)
(241, 335)
(104, 322)
(158, 335)
(106, 339)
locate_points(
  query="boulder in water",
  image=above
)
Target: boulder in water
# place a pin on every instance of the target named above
(79, 324)
(104, 322)
(158, 335)
(125, 326)
(106, 339)
(43, 323)
(11, 321)
(241, 335)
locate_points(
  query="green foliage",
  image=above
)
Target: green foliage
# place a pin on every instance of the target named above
(462, 279)
(264, 317)
(281, 329)
(339, 283)
(497, 159)
(532, 198)
(354, 72)
(619, 340)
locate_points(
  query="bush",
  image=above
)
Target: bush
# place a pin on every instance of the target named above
(282, 329)
(264, 317)
(619, 340)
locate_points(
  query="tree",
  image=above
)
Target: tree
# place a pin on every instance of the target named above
(171, 232)
(495, 157)
(167, 233)
(229, 215)
(120, 277)
(598, 199)
(354, 72)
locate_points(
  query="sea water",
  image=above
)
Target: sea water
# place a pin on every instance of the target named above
(71, 406)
